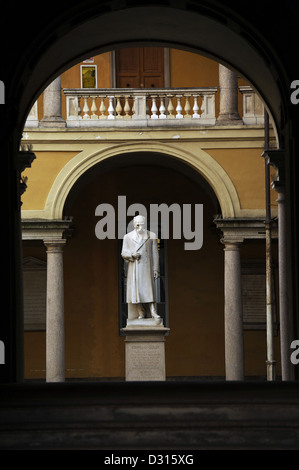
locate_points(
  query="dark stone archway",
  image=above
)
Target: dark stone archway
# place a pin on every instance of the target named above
(46, 42)
(211, 29)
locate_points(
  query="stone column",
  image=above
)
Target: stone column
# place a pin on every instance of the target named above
(277, 160)
(52, 105)
(55, 357)
(233, 315)
(228, 84)
(286, 328)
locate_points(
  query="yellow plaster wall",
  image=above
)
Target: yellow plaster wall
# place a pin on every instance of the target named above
(71, 78)
(187, 69)
(192, 70)
(41, 176)
(246, 168)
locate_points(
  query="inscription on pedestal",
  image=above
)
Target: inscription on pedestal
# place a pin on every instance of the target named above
(145, 361)
(145, 353)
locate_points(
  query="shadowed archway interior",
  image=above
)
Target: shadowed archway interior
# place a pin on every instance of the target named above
(141, 159)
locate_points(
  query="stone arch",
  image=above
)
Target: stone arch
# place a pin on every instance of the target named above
(239, 46)
(202, 162)
(57, 41)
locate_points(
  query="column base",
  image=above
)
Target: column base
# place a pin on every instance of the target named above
(145, 352)
(52, 122)
(229, 119)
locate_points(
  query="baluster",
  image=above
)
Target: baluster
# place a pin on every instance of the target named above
(203, 106)
(170, 107)
(111, 108)
(79, 108)
(134, 105)
(102, 108)
(94, 108)
(154, 108)
(127, 108)
(187, 107)
(162, 108)
(179, 108)
(118, 108)
(195, 108)
(86, 108)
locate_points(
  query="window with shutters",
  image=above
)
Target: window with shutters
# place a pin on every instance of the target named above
(35, 293)
(254, 295)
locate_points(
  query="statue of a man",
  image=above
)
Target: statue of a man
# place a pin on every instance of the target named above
(140, 249)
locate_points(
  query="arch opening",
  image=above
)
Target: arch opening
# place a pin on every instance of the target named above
(201, 162)
(59, 200)
(141, 159)
(92, 267)
(234, 47)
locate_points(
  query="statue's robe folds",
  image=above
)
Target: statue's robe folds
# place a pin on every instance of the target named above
(140, 274)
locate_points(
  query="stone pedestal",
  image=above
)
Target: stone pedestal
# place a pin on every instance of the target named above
(145, 350)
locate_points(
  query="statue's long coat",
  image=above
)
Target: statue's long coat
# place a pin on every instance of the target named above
(140, 274)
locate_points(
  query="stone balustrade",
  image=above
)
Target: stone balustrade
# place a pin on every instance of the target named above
(253, 108)
(123, 107)
(134, 107)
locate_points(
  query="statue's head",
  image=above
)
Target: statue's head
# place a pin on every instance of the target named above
(139, 223)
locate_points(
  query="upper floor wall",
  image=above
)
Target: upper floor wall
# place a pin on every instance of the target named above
(148, 69)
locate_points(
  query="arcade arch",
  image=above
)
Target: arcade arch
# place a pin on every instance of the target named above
(92, 272)
(260, 65)
(202, 162)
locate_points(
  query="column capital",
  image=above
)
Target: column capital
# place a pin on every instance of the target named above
(276, 158)
(55, 245)
(237, 230)
(232, 243)
(280, 189)
(47, 230)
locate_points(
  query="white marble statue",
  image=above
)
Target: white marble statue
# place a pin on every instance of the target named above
(140, 249)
